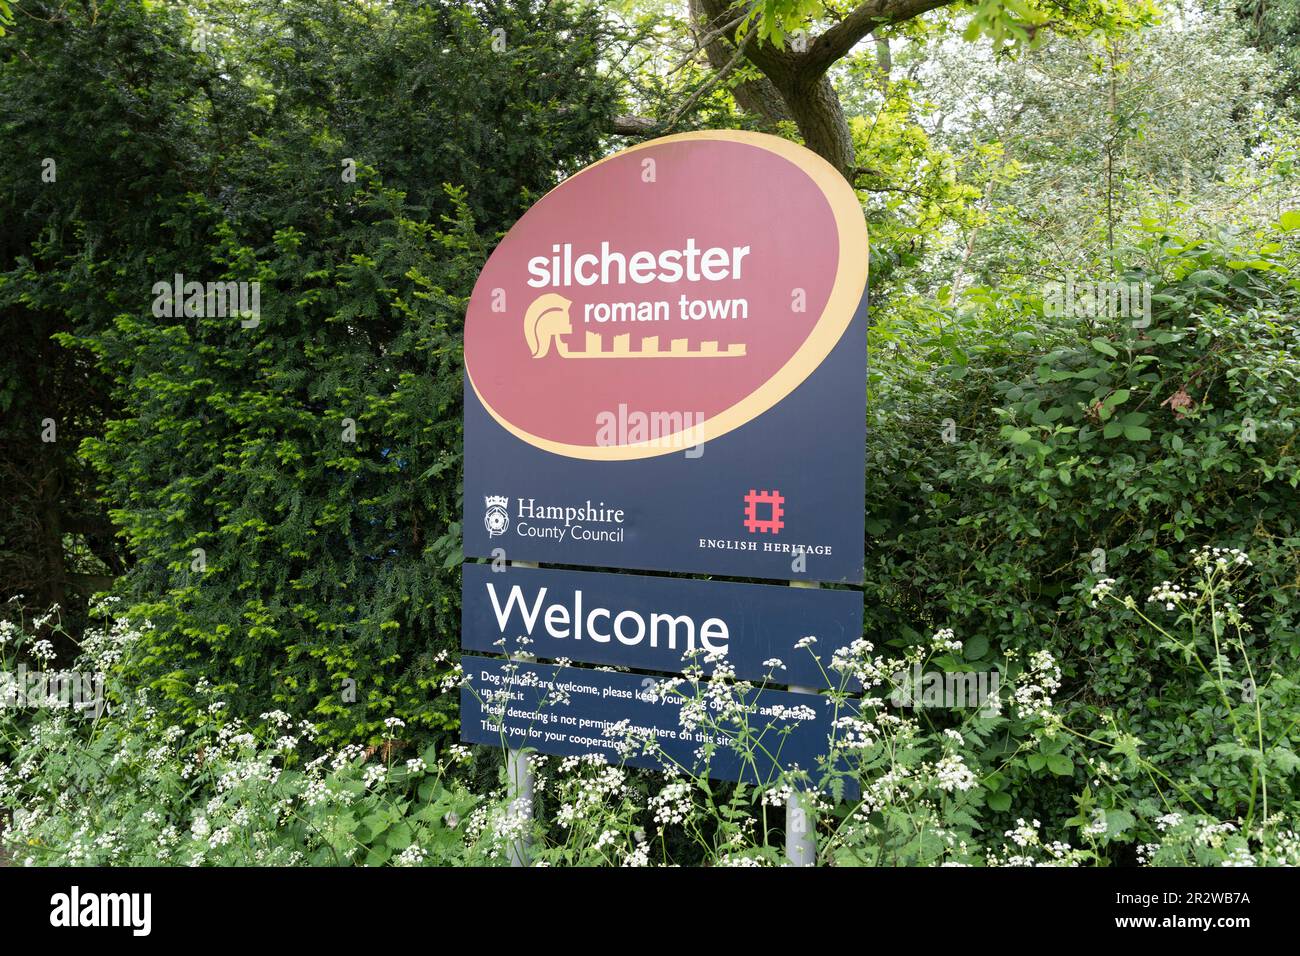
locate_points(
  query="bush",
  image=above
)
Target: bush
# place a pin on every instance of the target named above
(129, 788)
(1093, 449)
(287, 491)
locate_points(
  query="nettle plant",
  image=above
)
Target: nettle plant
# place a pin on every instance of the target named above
(1236, 802)
(128, 787)
(131, 787)
(894, 788)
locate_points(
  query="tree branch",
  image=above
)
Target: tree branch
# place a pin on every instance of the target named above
(718, 77)
(838, 40)
(628, 125)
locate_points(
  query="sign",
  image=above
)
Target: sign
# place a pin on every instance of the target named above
(665, 367)
(570, 712)
(658, 624)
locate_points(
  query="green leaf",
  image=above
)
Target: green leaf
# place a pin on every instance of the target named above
(1290, 220)
(1104, 347)
(1136, 432)
(1060, 764)
(1117, 821)
(399, 837)
(1284, 759)
(1000, 802)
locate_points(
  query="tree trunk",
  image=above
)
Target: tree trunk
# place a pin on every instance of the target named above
(806, 93)
(820, 118)
(758, 96)
(800, 75)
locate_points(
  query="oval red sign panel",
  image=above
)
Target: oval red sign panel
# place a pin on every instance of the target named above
(666, 295)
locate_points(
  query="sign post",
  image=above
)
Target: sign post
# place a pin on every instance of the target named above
(519, 785)
(665, 372)
(800, 821)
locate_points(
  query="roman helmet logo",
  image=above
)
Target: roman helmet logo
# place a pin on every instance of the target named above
(546, 319)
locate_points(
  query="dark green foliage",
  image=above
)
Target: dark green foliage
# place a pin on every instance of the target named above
(1275, 27)
(87, 152)
(277, 558)
(293, 567)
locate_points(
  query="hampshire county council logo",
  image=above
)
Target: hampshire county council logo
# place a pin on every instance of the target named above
(772, 524)
(496, 520)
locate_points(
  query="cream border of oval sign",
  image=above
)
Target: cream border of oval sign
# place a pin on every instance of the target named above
(850, 280)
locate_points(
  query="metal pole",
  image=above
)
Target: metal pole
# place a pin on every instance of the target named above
(520, 777)
(519, 780)
(800, 818)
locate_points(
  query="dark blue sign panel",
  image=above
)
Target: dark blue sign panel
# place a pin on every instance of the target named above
(574, 711)
(658, 624)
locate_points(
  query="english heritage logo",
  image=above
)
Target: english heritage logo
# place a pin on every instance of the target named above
(497, 519)
(774, 502)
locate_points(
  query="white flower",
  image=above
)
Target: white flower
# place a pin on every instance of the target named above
(672, 804)
(1101, 590)
(778, 796)
(1169, 820)
(639, 856)
(411, 856)
(1033, 693)
(943, 640)
(1170, 594)
(953, 774)
(1221, 558)
(856, 733)
(1024, 834)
